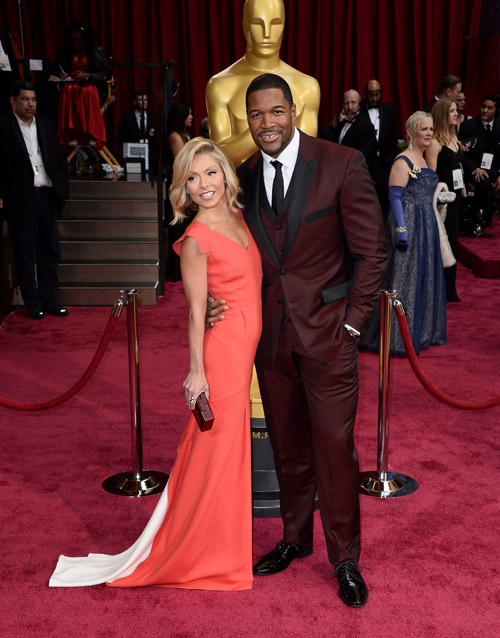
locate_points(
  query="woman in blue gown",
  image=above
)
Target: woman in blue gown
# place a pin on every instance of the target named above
(415, 267)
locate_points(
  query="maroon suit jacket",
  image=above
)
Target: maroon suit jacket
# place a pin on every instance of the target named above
(334, 258)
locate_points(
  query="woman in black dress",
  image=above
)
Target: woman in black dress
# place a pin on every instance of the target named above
(445, 156)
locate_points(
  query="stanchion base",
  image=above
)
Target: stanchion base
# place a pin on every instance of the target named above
(132, 484)
(386, 485)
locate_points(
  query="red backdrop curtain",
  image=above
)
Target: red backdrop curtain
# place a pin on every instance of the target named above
(409, 45)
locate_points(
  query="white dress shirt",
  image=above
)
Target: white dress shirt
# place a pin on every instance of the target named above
(375, 119)
(138, 118)
(288, 159)
(31, 140)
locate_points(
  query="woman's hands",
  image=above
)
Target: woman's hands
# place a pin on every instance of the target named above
(194, 385)
(82, 76)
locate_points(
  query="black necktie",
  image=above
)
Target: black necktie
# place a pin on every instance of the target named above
(278, 188)
(488, 128)
(142, 127)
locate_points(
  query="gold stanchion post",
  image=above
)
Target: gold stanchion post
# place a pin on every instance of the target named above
(138, 482)
(382, 483)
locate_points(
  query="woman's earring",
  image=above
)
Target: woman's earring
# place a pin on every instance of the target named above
(410, 145)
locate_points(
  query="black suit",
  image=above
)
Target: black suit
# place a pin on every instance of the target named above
(428, 107)
(360, 135)
(387, 149)
(472, 133)
(31, 213)
(129, 129)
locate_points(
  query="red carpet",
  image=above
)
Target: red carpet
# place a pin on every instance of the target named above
(482, 254)
(432, 557)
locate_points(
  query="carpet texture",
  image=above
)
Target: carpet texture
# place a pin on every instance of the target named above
(431, 558)
(482, 254)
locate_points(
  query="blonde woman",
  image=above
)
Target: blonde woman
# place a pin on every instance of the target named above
(415, 268)
(200, 535)
(445, 156)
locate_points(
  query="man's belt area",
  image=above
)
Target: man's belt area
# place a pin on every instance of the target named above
(40, 190)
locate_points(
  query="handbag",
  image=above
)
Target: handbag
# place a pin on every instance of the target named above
(203, 413)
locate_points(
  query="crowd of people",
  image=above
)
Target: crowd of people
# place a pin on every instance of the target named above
(447, 150)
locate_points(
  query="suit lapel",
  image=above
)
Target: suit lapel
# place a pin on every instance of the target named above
(380, 119)
(17, 130)
(42, 142)
(302, 180)
(252, 211)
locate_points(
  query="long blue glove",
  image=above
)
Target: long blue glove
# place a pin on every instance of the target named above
(395, 194)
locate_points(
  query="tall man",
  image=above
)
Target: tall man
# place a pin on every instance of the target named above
(384, 122)
(314, 214)
(33, 187)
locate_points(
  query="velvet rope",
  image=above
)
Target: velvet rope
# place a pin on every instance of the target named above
(424, 380)
(76, 387)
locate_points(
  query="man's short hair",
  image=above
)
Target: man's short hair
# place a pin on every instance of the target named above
(492, 97)
(21, 85)
(269, 81)
(448, 82)
(136, 93)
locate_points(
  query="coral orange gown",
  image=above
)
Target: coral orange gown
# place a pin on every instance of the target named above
(200, 534)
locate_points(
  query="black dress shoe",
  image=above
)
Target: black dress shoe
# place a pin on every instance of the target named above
(35, 313)
(57, 311)
(279, 559)
(352, 587)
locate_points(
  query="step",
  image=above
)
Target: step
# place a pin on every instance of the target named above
(124, 274)
(91, 230)
(108, 189)
(105, 250)
(109, 209)
(105, 293)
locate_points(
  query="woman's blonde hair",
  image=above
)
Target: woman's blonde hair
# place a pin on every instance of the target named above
(179, 197)
(443, 130)
(414, 120)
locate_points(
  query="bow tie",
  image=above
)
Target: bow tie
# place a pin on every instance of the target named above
(373, 107)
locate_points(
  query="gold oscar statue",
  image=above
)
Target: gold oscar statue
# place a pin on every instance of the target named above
(263, 25)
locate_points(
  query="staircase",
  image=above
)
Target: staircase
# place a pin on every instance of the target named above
(109, 241)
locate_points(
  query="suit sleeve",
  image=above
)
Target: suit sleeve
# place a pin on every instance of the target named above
(364, 231)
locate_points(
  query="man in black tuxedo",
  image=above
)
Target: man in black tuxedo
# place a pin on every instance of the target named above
(450, 86)
(481, 135)
(138, 125)
(384, 122)
(354, 128)
(33, 187)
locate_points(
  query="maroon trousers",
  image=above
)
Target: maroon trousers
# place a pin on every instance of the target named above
(310, 410)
